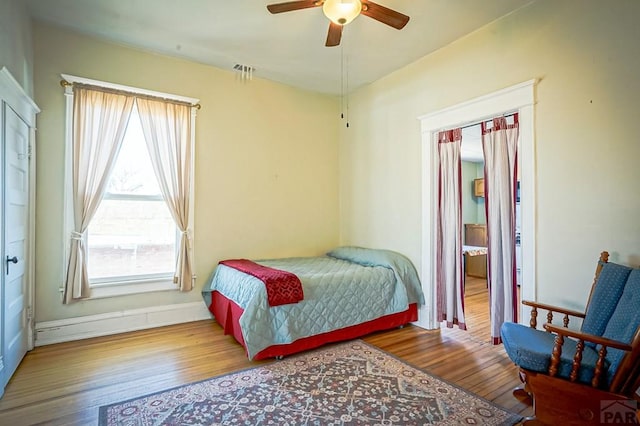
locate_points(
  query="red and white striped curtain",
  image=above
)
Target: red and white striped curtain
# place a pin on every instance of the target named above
(449, 265)
(500, 145)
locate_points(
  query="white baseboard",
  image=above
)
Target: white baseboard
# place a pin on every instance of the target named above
(49, 332)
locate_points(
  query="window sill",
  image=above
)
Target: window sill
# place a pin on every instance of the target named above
(131, 287)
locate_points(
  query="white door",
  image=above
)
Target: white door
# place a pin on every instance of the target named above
(15, 208)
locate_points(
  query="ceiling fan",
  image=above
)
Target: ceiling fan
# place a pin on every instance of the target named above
(341, 12)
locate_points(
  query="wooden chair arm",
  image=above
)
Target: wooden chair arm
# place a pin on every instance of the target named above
(604, 343)
(554, 308)
(533, 322)
(598, 340)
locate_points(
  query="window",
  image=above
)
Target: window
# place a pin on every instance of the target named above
(132, 235)
(132, 232)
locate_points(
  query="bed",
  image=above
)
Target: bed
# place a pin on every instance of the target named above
(347, 293)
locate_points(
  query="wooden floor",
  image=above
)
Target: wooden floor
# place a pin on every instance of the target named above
(66, 383)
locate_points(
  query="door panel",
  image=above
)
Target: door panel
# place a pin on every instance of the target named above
(15, 207)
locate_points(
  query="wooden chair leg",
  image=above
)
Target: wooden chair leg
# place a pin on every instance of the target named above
(531, 421)
(523, 396)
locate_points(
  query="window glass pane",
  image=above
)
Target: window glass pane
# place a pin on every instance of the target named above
(133, 171)
(131, 237)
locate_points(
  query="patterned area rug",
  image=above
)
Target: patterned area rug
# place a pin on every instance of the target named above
(348, 384)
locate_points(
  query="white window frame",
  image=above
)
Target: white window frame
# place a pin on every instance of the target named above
(125, 285)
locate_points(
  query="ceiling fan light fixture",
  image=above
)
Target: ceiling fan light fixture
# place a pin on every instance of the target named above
(341, 12)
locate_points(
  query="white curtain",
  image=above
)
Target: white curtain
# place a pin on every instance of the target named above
(99, 123)
(449, 264)
(500, 145)
(167, 131)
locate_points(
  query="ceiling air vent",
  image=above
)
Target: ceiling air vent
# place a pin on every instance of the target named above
(244, 71)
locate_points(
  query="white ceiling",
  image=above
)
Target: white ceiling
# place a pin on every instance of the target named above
(287, 47)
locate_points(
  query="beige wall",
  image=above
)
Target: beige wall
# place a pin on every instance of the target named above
(267, 157)
(266, 163)
(16, 50)
(587, 56)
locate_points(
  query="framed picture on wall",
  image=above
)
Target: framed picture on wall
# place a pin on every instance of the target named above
(478, 187)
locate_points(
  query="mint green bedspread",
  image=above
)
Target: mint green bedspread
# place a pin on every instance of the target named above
(348, 286)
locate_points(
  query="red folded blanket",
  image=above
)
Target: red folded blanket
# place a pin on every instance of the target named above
(282, 287)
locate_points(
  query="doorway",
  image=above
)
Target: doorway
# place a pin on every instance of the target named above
(474, 234)
(474, 229)
(518, 98)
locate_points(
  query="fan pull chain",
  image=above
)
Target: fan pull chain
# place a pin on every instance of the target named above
(347, 90)
(344, 86)
(342, 81)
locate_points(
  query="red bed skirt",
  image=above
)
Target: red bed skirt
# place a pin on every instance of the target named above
(227, 314)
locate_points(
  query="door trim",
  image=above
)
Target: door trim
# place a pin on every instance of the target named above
(15, 97)
(517, 98)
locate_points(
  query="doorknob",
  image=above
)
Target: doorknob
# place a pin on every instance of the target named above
(11, 260)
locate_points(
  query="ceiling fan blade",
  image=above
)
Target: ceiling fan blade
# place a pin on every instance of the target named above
(293, 5)
(334, 35)
(385, 15)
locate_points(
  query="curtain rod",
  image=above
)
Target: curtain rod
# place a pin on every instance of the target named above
(64, 83)
(476, 123)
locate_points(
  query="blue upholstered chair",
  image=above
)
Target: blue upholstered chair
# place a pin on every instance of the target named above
(569, 375)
